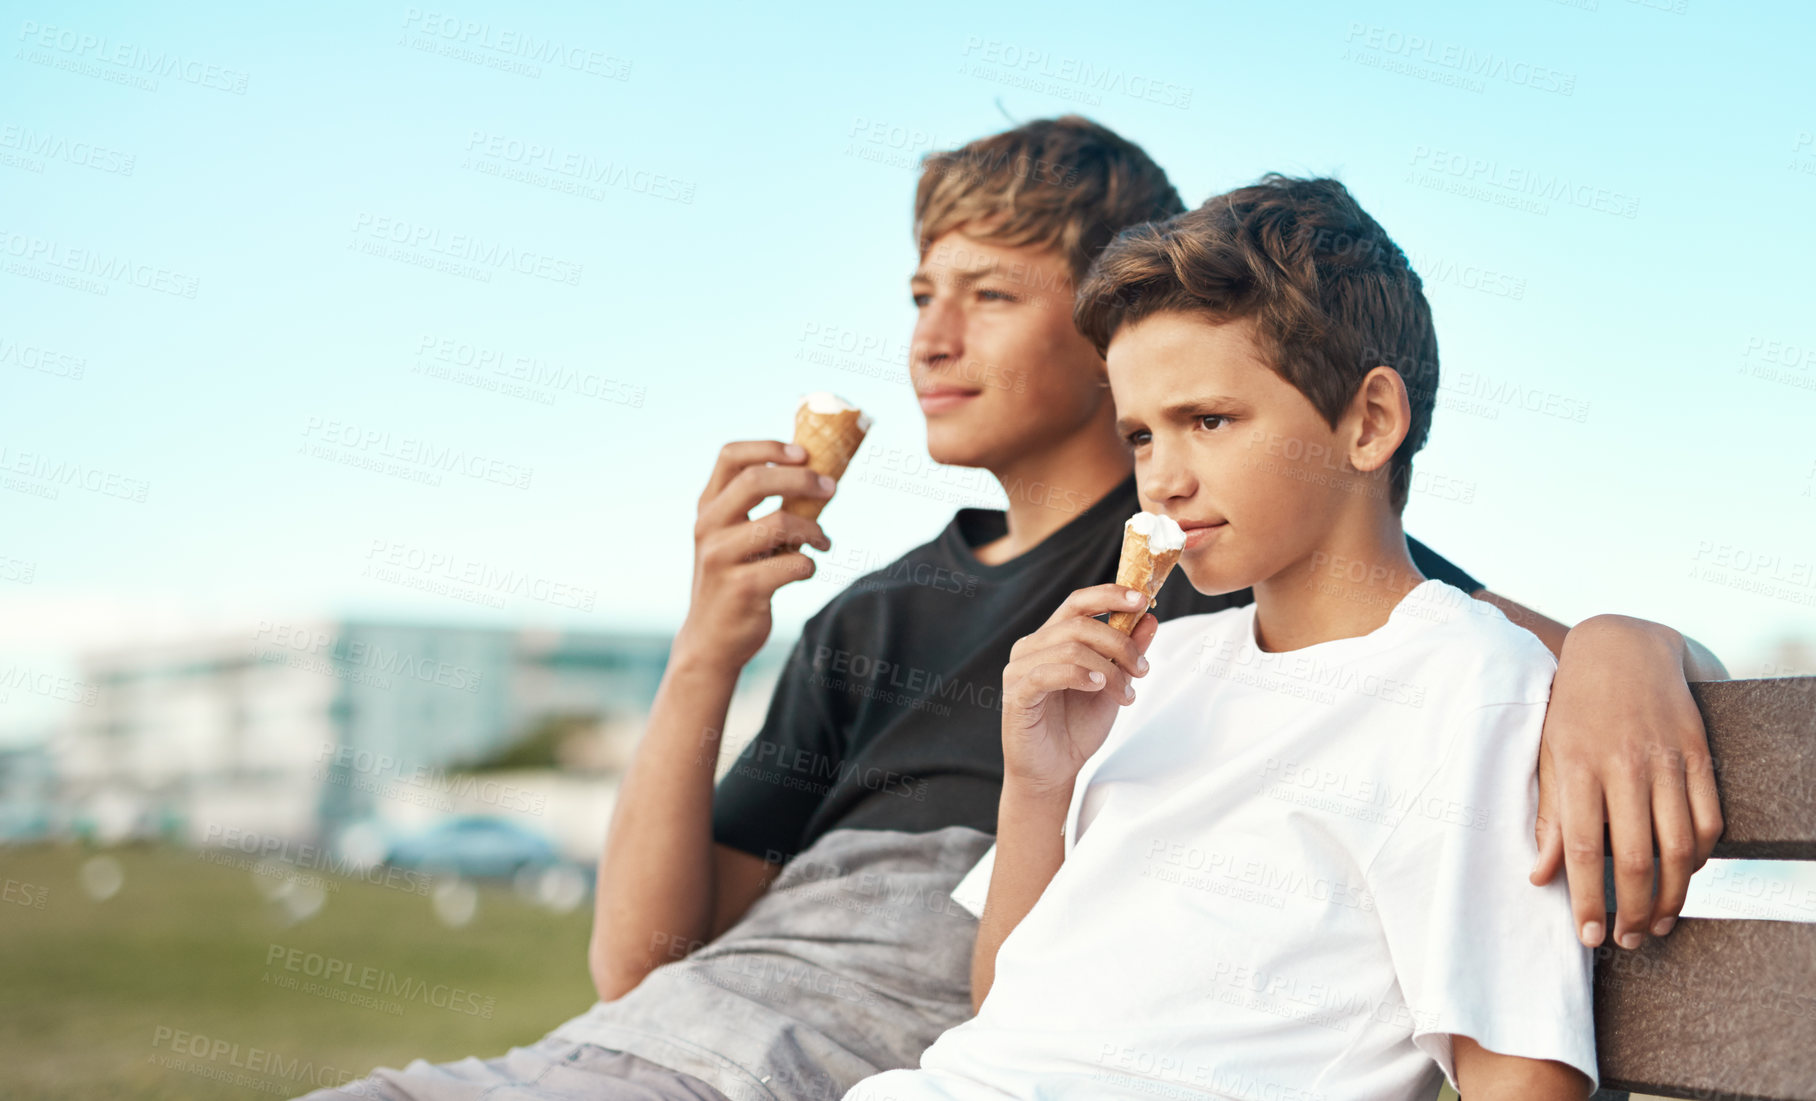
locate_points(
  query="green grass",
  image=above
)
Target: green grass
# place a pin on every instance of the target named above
(92, 992)
(86, 986)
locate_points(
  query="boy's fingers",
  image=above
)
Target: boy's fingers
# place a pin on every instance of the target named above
(1046, 678)
(1095, 601)
(792, 530)
(758, 539)
(766, 575)
(1630, 837)
(1705, 806)
(1582, 844)
(1547, 832)
(1676, 850)
(750, 486)
(1143, 634)
(1083, 656)
(1106, 640)
(735, 456)
(1551, 854)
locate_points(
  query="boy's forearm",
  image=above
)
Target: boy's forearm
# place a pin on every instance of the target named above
(1699, 663)
(654, 896)
(1484, 1075)
(1030, 846)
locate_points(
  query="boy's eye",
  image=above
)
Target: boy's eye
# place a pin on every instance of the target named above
(1136, 438)
(921, 300)
(1218, 417)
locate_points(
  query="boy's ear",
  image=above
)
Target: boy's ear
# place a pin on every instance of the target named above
(1380, 415)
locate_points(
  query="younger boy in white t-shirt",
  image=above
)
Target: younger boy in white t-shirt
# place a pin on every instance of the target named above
(1296, 868)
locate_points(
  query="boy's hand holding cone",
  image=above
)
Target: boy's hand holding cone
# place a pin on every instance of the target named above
(739, 562)
(1064, 683)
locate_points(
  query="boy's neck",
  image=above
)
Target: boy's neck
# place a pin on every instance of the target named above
(1048, 489)
(1347, 587)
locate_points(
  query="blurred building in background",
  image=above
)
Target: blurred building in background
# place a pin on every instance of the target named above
(302, 730)
(27, 792)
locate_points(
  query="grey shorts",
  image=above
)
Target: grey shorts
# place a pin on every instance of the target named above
(547, 1070)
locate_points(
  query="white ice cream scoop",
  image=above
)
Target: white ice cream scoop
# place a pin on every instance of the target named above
(1161, 532)
(826, 403)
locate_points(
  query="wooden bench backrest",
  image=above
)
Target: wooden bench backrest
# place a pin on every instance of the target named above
(1720, 1008)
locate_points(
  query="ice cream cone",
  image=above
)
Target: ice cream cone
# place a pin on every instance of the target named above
(1142, 567)
(831, 431)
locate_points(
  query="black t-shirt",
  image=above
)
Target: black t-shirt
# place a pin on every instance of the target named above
(888, 712)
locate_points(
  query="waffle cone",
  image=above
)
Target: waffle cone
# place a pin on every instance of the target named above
(1140, 568)
(831, 439)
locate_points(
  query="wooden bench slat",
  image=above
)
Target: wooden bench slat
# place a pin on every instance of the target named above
(1762, 734)
(1717, 1009)
(1726, 1009)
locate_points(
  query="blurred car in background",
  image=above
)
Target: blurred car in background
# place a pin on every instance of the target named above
(476, 847)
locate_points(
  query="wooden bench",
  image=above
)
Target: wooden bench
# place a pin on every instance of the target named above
(1723, 1009)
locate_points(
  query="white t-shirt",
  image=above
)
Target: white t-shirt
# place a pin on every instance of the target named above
(1290, 877)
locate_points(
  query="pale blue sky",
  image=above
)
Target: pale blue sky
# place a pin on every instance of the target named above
(758, 169)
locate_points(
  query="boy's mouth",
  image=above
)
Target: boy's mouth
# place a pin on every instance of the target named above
(1199, 532)
(943, 399)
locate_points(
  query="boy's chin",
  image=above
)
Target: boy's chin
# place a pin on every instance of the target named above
(948, 445)
(1213, 582)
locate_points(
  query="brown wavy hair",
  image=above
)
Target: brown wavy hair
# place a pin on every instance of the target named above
(1065, 183)
(1331, 295)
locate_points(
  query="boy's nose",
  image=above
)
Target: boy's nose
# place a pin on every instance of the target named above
(939, 336)
(1163, 475)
